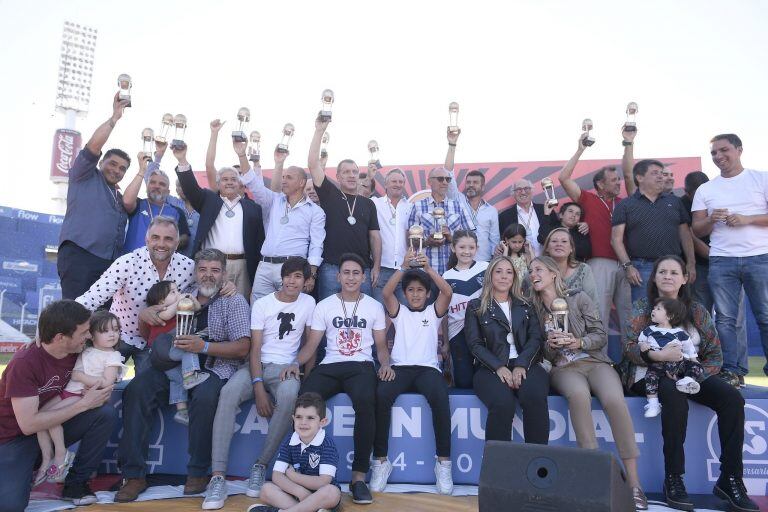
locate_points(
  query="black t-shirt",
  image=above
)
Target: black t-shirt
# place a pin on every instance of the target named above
(340, 236)
(688, 204)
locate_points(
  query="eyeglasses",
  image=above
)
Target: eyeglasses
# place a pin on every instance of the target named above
(523, 189)
(442, 179)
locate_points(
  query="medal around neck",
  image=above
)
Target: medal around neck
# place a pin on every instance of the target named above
(352, 221)
(230, 214)
(284, 220)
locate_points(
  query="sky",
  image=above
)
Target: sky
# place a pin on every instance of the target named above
(525, 74)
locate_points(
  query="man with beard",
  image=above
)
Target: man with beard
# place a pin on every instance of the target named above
(130, 277)
(222, 338)
(142, 211)
(392, 210)
(669, 180)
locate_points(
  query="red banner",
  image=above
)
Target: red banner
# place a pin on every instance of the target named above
(66, 146)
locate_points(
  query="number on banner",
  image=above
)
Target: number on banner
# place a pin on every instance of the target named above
(400, 462)
(350, 458)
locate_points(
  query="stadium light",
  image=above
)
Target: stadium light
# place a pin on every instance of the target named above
(73, 91)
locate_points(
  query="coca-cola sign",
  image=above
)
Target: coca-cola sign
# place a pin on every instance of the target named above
(66, 146)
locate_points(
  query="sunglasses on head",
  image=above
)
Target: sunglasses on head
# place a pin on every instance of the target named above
(442, 179)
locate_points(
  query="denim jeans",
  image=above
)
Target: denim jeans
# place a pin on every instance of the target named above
(384, 276)
(727, 275)
(140, 356)
(190, 362)
(644, 267)
(328, 283)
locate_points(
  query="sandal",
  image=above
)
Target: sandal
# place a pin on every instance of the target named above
(60, 472)
(43, 475)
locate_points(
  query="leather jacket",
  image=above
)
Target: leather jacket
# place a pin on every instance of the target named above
(486, 335)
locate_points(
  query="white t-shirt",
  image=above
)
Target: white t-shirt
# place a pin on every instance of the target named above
(415, 337)
(746, 194)
(467, 285)
(349, 337)
(92, 362)
(282, 324)
(510, 337)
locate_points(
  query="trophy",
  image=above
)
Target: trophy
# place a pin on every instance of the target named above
(416, 242)
(324, 145)
(185, 315)
(243, 118)
(148, 143)
(165, 129)
(179, 127)
(559, 310)
(325, 111)
(439, 216)
(288, 130)
(630, 125)
(373, 149)
(453, 117)
(254, 148)
(125, 84)
(549, 192)
(587, 126)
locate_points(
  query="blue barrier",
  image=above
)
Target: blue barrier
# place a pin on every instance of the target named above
(412, 445)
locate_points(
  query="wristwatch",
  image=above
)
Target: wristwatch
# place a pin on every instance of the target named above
(626, 265)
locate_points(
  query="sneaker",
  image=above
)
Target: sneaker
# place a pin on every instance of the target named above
(256, 480)
(652, 409)
(443, 477)
(731, 489)
(688, 385)
(380, 471)
(729, 377)
(182, 417)
(193, 379)
(360, 493)
(675, 493)
(215, 493)
(262, 508)
(79, 494)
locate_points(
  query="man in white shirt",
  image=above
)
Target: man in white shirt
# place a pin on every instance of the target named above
(294, 226)
(280, 322)
(526, 213)
(393, 210)
(733, 209)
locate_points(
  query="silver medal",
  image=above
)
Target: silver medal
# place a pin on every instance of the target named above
(510, 339)
(230, 214)
(392, 221)
(351, 220)
(284, 220)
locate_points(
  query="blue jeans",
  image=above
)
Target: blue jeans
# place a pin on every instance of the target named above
(645, 267)
(384, 276)
(727, 275)
(140, 355)
(328, 283)
(19, 456)
(190, 362)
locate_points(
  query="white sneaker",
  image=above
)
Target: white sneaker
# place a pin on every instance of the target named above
(443, 476)
(380, 472)
(688, 385)
(652, 409)
(215, 494)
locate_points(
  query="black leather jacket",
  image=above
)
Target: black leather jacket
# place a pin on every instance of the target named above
(486, 335)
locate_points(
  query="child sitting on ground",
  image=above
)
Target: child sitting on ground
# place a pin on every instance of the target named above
(304, 474)
(668, 315)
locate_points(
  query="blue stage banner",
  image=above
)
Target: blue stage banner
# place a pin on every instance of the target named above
(412, 444)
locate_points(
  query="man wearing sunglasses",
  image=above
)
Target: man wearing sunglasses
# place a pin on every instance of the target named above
(527, 213)
(437, 228)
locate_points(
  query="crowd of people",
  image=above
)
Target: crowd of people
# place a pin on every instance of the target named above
(291, 291)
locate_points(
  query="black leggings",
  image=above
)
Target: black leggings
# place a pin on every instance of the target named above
(501, 402)
(424, 381)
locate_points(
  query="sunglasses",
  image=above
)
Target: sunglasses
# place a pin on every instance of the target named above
(442, 179)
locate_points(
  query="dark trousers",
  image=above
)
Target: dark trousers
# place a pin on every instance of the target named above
(680, 369)
(719, 396)
(463, 362)
(358, 380)
(501, 402)
(424, 381)
(19, 456)
(147, 392)
(78, 269)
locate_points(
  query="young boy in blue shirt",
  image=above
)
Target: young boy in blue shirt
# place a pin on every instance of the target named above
(304, 474)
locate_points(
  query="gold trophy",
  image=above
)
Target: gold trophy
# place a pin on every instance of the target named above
(439, 215)
(559, 310)
(629, 125)
(587, 126)
(324, 145)
(373, 149)
(288, 131)
(125, 84)
(243, 118)
(165, 129)
(185, 315)
(148, 143)
(453, 117)
(416, 242)
(549, 192)
(254, 148)
(325, 111)
(179, 127)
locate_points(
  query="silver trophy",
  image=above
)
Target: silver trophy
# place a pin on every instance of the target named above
(559, 311)
(185, 316)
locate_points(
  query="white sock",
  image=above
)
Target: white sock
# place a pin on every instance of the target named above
(653, 400)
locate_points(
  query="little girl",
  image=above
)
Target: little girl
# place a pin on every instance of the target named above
(465, 275)
(187, 375)
(668, 315)
(514, 245)
(99, 365)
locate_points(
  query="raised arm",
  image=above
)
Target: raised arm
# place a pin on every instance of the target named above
(277, 174)
(210, 155)
(102, 133)
(131, 194)
(628, 160)
(445, 292)
(315, 168)
(391, 304)
(566, 181)
(154, 165)
(189, 185)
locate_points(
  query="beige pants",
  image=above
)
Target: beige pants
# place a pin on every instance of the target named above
(576, 382)
(237, 272)
(612, 288)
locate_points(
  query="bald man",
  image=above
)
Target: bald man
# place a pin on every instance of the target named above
(527, 213)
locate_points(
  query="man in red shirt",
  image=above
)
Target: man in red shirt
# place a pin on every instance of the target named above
(610, 278)
(36, 374)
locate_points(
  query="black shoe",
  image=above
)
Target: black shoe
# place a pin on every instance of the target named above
(731, 489)
(79, 493)
(360, 493)
(675, 493)
(729, 377)
(742, 382)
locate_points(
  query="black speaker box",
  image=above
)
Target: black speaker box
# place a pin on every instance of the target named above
(518, 477)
